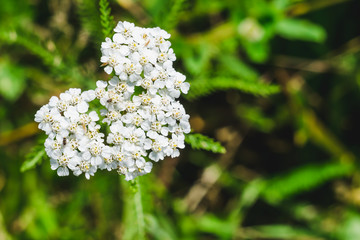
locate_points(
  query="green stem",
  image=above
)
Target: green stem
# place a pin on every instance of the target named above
(139, 210)
(133, 212)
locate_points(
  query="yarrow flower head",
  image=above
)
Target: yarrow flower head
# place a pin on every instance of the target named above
(146, 122)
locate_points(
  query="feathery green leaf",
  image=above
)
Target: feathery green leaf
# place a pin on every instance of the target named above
(34, 157)
(106, 20)
(33, 44)
(173, 15)
(202, 88)
(89, 15)
(199, 141)
(303, 179)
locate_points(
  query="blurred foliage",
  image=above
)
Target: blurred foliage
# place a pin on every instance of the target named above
(276, 82)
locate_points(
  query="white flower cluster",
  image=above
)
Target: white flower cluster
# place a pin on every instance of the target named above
(145, 121)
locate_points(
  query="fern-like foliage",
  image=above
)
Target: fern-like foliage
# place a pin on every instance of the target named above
(58, 65)
(106, 20)
(199, 141)
(34, 45)
(173, 15)
(201, 88)
(89, 15)
(35, 156)
(303, 179)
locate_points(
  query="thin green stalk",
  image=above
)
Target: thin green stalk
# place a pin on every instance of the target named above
(133, 218)
(139, 210)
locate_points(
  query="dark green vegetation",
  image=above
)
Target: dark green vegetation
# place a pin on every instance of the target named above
(275, 81)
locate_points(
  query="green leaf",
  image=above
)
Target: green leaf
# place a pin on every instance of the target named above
(212, 224)
(281, 4)
(301, 30)
(197, 58)
(257, 51)
(204, 87)
(90, 20)
(199, 141)
(174, 14)
(35, 45)
(12, 80)
(238, 68)
(160, 227)
(303, 179)
(282, 232)
(36, 155)
(255, 117)
(106, 20)
(33, 158)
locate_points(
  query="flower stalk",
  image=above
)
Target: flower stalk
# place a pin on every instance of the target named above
(139, 210)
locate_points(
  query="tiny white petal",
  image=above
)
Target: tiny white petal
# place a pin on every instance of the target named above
(82, 107)
(108, 69)
(63, 171)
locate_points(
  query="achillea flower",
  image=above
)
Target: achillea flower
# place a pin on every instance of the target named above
(146, 122)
